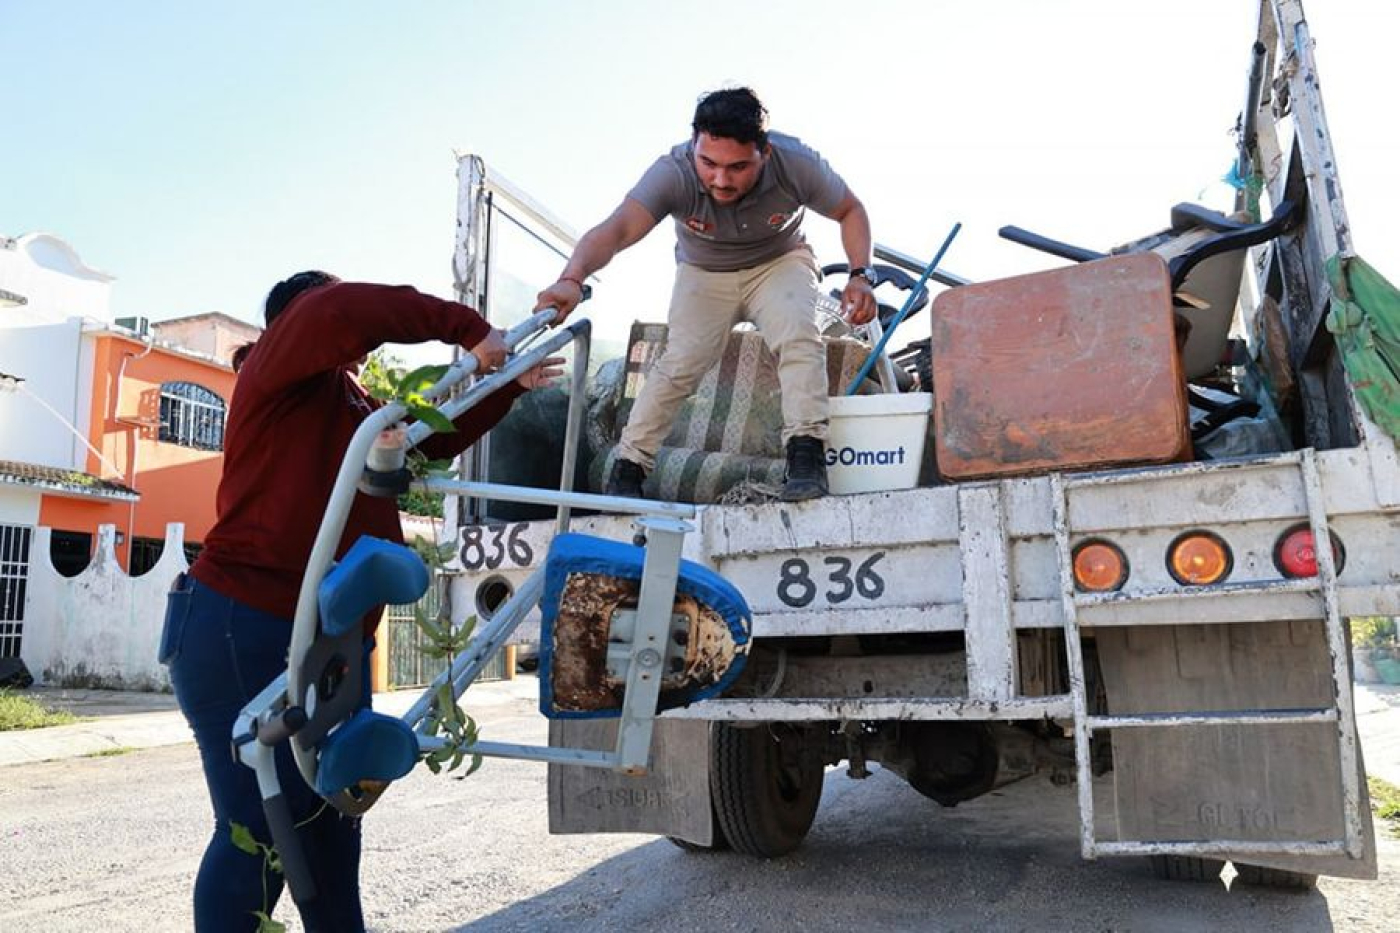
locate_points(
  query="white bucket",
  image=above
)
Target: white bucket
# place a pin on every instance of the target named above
(876, 442)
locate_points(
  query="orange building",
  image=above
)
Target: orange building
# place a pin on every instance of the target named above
(157, 416)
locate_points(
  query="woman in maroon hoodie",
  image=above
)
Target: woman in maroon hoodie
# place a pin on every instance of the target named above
(295, 406)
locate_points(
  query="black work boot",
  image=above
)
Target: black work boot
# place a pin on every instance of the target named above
(625, 480)
(806, 469)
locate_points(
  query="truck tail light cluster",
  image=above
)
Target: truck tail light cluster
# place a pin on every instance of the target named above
(1196, 558)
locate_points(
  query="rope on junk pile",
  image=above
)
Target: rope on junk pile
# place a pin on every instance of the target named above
(751, 492)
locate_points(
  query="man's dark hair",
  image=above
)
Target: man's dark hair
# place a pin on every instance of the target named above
(277, 300)
(733, 113)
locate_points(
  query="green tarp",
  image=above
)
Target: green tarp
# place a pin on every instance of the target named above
(1365, 319)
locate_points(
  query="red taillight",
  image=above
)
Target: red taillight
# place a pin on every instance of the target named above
(1295, 554)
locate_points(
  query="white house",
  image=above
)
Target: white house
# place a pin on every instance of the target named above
(106, 439)
(47, 295)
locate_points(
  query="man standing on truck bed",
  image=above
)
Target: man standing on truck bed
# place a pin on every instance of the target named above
(737, 193)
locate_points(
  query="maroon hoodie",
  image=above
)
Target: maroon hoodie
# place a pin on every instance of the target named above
(295, 406)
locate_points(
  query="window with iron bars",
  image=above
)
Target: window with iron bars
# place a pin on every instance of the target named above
(191, 416)
(145, 554)
(14, 579)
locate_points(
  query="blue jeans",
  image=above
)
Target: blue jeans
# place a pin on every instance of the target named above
(221, 654)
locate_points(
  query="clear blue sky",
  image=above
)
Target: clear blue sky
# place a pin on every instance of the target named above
(199, 152)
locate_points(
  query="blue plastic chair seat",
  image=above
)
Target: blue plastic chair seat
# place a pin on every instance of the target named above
(371, 746)
(374, 572)
(572, 553)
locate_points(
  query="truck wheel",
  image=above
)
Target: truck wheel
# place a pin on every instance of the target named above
(766, 785)
(1186, 867)
(1261, 877)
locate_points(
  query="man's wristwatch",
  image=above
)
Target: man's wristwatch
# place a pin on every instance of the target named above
(864, 272)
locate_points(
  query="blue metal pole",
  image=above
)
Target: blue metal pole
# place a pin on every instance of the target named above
(903, 312)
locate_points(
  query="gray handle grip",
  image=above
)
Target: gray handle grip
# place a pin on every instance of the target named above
(289, 850)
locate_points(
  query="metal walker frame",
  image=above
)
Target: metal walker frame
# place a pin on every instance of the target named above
(283, 707)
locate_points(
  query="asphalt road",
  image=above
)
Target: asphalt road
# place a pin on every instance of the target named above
(112, 844)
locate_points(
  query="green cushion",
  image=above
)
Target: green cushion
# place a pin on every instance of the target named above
(1365, 318)
(728, 432)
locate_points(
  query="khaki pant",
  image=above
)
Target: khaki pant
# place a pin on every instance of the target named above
(779, 297)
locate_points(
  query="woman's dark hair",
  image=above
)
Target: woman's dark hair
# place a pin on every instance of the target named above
(733, 113)
(284, 291)
(277, 300)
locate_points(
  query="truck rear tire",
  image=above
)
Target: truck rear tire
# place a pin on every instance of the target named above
(1186, 867)
(1260, 877)
(766, 784)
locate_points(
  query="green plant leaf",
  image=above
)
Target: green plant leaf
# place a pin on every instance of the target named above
(1373, 631)
(417, 380)
(434, 467)
(432, 418)
(427, 626)
(243, 840)
(382, 372)
(267, 925)
(446, 702)
(418, 502)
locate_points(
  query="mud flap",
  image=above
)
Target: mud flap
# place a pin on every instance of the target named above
(1276, 782)
(672, 799)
